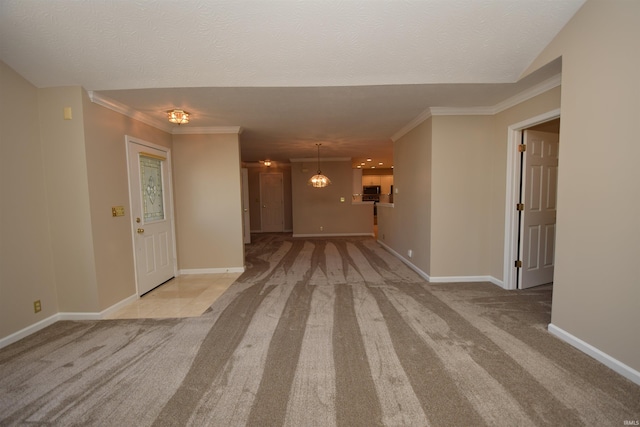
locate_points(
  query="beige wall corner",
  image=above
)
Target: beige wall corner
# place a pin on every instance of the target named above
(26, 255)
(208, 205)
(596, 293)
(407, 226)
(106, 158)
(65, 168)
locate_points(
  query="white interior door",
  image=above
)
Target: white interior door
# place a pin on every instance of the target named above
(246, 219)
(540, 179)
(272, 202)
(151, 213)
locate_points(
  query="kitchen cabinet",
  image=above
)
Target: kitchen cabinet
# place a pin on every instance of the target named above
(370, 180)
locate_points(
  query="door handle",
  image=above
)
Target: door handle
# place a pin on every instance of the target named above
(140, 230)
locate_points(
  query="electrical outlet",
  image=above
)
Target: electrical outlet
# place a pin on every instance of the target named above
(410, 253)
(37, 306)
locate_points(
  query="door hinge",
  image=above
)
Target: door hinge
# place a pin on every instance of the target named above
(522, 148)
(518, 264)
(519, 206)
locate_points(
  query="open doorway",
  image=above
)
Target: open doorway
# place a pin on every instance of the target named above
(530, 201)
(537, 207)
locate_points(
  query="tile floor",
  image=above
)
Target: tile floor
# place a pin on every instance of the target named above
(183, 296)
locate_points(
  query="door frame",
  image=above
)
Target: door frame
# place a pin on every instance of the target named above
(514, 170)
(168, 208)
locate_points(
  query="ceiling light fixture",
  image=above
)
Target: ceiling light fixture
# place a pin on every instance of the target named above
(179, 117)
(267, 163)
(319, 180)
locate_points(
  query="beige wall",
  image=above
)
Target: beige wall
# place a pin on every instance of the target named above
(208, 203)
(65, 168)
(254, 196)
(597, 277)
(321, 207)
(26, 256)
(497, 165)
(458, 166)
(460, 189)
(407, 226)
(106, 161)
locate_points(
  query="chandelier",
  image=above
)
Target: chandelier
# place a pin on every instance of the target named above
(319, 180)
(179, 117)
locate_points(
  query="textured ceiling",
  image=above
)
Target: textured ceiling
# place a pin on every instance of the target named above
(290, 72)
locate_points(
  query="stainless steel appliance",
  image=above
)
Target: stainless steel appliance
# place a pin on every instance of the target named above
(371, 193)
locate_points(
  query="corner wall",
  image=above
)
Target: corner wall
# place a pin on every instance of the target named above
(208, 204)
(596, 298)
(26, 254)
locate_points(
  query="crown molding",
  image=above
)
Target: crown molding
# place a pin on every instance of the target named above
(411, 125)
(525, 95)
(274, 165)
(113, 105)
(206, 130)
(468, 111)
(323, 160)
(123, 109)
(534, 91)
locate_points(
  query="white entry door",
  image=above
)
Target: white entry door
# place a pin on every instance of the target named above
(540, 179)
(272, 202)
(151, 214)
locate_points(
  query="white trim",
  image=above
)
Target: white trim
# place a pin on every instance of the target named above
(411, 125)
(323, 159)
(115, 307)
(31, 329)
(128, 140)
(442, 279)
(626, 371)
(467, 279)
(525, 95)
(206, 130)
(512, 189)
(532, 92)
(113, 105)
(334, 235)
(464, 111)
(221, 270)
(412, 266)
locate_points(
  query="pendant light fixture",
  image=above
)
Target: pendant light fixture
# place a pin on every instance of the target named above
(319, 180)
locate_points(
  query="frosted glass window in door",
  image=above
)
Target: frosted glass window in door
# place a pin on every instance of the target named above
(151, 180)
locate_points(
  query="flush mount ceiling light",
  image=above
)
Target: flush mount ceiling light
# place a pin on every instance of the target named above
(179, 117)
(267, 163)
(319, 180)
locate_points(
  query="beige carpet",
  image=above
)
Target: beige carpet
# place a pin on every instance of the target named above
(319, 333)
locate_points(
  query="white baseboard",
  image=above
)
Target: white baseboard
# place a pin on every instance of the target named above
(17, 336)
(465, 279)
(624, 370)
(442, 279)
(334, 235)
(211, 270)
(23, 333)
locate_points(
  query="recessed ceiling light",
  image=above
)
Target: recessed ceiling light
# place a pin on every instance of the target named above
(380, 164)
(359, 166)
(363, 163)
(373, 167)
(368, 160)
